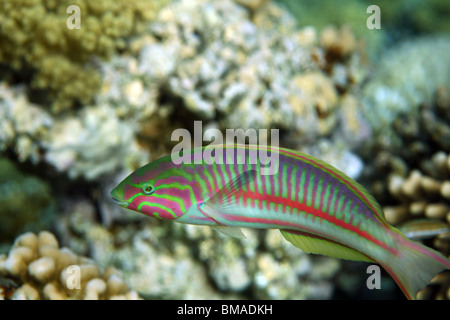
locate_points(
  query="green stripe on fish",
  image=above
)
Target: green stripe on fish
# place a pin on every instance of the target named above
(315, 206)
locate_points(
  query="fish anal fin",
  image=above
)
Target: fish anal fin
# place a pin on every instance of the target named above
(313, 244)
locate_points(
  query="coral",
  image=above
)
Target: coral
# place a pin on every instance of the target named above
(319, 95)
(423, 196)
(253, 5)
(155, 258)
(21, 123)
(338, 42)
(337, 13)
(88, 143)
(46, 271)
(25, 201)
(439, 288)
(399, 19)
(407, 75)
(35, 37)
(199, 60)
(223, 68)
(232, 68)
(154, 267)
(93, 143)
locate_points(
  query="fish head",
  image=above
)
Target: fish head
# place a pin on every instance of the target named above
(160, 189)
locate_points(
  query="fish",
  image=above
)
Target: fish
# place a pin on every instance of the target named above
(316, 207)
(424, 229)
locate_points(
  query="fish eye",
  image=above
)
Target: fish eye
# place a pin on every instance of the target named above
(147, 189)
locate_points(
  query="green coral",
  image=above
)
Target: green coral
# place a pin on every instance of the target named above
(34, 36)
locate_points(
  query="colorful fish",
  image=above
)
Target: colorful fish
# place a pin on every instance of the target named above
(316, 207)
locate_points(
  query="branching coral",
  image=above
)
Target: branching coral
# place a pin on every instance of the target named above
(45, 271)
(34, 35)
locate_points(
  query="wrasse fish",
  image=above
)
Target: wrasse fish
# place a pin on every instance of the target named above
(316, 207)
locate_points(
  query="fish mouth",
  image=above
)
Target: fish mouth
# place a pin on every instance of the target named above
(119, 202)
(117, 199)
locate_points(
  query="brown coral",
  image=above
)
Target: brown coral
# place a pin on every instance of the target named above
(422, 196)
(46, 271)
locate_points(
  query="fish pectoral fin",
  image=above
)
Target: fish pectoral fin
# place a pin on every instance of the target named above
(310, 243)
(233, 232)
(220, 201)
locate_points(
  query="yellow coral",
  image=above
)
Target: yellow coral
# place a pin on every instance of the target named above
(46, 271)
(34, 35)
(319, 93)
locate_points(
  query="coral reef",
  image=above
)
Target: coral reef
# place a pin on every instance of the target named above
(399, 19)
(35, 37)
(200, 60)
(89, 143)
(223, 68)
(416, 189)
(338, 13)
(230, 65)
(407, 75)
(45, 271)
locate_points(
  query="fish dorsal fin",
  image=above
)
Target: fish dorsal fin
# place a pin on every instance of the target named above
(220, 202)
(313, 244)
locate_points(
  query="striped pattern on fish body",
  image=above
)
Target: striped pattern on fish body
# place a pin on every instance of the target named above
(317, 208)
(301, 196)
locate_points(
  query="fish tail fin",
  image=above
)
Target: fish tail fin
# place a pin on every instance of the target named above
(414, 266)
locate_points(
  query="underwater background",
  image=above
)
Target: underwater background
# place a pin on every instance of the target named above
(80, 109)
